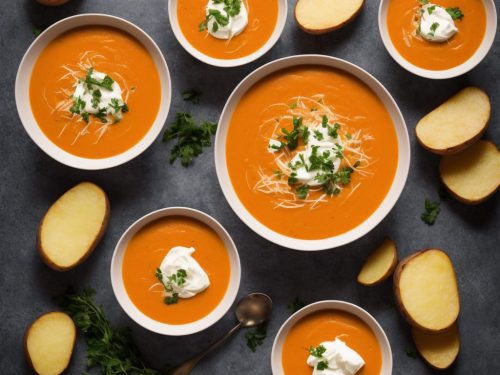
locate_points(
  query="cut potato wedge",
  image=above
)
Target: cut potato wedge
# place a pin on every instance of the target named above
(473, 175)
(455, 124)
(322, 16)
(426, 290)
(380, 264)
(438, 350)
(49, 343)
(73, 226)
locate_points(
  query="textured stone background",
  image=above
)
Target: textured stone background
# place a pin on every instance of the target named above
(30, 181)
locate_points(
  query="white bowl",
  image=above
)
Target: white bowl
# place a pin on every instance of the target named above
(386, 205)
(225, 63)
(385, 347)
(23, 83)
(479, 55)
(178, 329)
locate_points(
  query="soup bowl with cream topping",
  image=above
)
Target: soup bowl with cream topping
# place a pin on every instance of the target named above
(175, 271)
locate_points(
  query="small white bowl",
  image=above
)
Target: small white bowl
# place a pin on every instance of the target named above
(226, 63)
(23, 85)
(385, 347)
(385, 206)
(479, 55)
(178, 329)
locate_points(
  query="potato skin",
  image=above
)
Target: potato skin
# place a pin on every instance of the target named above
(98, 238)
(425, 359)
(26, 334)
(330, 29)
(397, 292)
(390, 270)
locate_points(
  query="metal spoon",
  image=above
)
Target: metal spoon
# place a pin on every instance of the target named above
(252, 310)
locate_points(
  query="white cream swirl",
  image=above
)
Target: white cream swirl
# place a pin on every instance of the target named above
(436, 24)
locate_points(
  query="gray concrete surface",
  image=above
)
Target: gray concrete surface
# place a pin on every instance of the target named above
(30, 181)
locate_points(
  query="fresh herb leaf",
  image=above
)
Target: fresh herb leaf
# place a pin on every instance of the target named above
(423, 2)
(431, 212)
(323, 365)
(431, 9)
(292, 179)
(96, 98)
(434, 27)
(302, 192)
(191, 138)
(318, 351)
(78, 106)
(410, 352)
(455, 13)
(111, 350)
(106, 82)
(295, 305)
(191, 96)
(256, 337)
(318, 135)
(333, 131)
(37, 31)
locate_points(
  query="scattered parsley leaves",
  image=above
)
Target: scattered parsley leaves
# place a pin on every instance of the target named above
(434, 27)
(192, 96)
(256, 337)
(455, 13)
(178, 278)
(295, 305)
(431, 212)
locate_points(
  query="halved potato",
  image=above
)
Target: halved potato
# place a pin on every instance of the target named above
(73, 226)
(49, 343)
(380, 264)
(322, 16)
(455, 124)
(426, 290)
(439, 350)
(473, 175)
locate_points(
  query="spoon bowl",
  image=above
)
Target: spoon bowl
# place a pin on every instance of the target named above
(254, 309)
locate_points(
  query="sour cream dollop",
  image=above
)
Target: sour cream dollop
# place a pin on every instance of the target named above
(180, 257)
(235, 26)
(108, 100)
(436, 24)
(341, 359)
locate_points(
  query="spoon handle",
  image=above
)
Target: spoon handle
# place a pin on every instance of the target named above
(187, 366)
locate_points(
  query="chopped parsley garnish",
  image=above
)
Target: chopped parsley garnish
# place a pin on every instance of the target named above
(191, 138)
(256, 337)
(231, 8)
(292, 179)
(434, 27)
(317, 352)
(178, 278)
(455, 13)
(333, 130)
(102, 115)
(323, 365)
(192, 96)
(78, 106)
(295, 305)
(431, 212)
(292, 105)
(278, 174)
(106, 82)
(318, 135)
(302, 191)
(96, 98)
(431, 9)
(423, 2)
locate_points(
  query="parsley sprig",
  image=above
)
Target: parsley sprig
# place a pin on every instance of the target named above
(318, 353)
(455, 13)
(231, 8)
(256, 337)
(191, 138)
(295, 305)
(431, 213)
(178, 278)
(106, 82)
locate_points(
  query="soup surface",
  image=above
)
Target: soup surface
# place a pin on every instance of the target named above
(262, 18)
(145, 253)
(259, 177)
(402, 16)
(326, 325)
(67, 59)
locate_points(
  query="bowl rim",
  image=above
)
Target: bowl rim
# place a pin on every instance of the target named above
(145, 321)
(228, 63)
(22, 88)
(471, 63)
(399, 180)
(351, 308)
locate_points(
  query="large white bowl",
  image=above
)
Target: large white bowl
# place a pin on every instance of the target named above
(386, 205)
(225, 63)
(175, 329)
(385, 347)
(23, 84)
(479, 55)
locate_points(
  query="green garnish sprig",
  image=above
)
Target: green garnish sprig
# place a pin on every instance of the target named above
(431, 212)
(231, 7)
(318, 353)
(455, 13)
(178, 278)
(256, 337)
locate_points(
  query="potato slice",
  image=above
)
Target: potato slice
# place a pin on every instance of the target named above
(473, 175)
(455, 124)
(73, 226)
(49, 343)
(380, 264)
(439, 350)
(426, 290)
(322, 16)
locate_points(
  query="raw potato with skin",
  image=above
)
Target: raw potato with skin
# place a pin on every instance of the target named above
(322, 16)
(380, 264)
(473, 175)
(455, 124)
(438, 350)
(73, 226)
(49, 343)
(426, 290)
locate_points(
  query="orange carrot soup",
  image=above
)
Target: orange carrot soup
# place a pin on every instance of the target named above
(235, 37)
(144, 255)
(404, 22)
(311, 152)
(327, 325)
(95, 91)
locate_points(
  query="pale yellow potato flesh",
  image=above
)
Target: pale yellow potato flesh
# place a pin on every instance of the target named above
(426, 290)
(455, 124)
(320, 16)
(49, 343)
(472, 175)
(439, 350)
(379, 265)
(73, 225)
